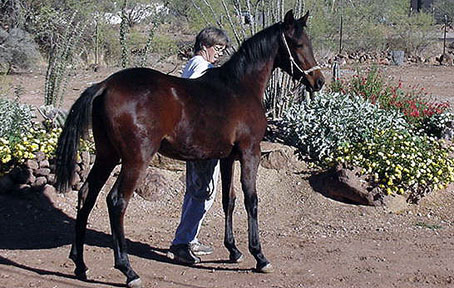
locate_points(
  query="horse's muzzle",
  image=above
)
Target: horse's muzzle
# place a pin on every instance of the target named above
(315, 82)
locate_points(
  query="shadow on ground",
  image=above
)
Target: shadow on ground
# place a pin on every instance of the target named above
(32, 222)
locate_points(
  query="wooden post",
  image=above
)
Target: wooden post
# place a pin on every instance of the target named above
(444, 36)
(341, 27)
(336, 73)
(96, 43)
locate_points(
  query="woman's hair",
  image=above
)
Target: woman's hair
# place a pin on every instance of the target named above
(210, 36)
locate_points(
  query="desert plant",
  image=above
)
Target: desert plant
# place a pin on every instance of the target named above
(124, 30)
(60, 60)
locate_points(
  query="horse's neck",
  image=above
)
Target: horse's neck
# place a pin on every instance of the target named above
(251, 69)
(258, 77)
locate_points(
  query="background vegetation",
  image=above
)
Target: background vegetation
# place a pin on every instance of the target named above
(114, 32)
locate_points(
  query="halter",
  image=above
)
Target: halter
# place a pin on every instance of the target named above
(293, 63)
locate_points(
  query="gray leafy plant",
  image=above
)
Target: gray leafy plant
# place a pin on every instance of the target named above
(317, 128)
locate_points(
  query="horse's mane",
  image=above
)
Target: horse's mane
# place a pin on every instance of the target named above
(252, 52)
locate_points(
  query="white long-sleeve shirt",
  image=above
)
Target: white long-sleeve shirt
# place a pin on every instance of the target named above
(196, 67)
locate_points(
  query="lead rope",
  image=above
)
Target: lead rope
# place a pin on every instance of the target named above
(293, 63)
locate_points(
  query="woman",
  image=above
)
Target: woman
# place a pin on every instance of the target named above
(201, 176)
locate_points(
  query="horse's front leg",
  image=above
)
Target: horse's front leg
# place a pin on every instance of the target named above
(250, 159)
(228, 203)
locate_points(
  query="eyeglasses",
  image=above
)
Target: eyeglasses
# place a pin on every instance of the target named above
(218, 48)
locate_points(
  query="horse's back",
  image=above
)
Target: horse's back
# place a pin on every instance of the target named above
(186, 118)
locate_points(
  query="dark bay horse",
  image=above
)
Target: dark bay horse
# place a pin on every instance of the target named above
(137, 112)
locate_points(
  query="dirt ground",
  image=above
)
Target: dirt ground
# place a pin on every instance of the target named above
(311, 240)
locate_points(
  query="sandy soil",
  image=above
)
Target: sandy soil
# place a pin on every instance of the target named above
(311, 240)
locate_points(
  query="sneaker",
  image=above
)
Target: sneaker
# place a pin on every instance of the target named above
(183, 254)
(200, 249)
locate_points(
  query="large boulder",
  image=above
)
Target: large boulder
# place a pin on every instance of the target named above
(276, 156)
(344, 185)
(160, 183)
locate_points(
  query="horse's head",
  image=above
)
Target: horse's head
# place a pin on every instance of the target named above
(295, 53)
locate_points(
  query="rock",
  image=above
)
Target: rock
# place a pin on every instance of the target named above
(344, 185)
(44, 164)
(31, 164)
(276, 156)
(362, 58)
(160, 161)
(22, 175)
(432, 60)
(153, 185)
(21, 188)
(50, 192)
(78, 159)
(398, 57)
(85, 155)
(75, 179)
(445, 59)
(40, 156)
(450, 45)
(447, 132)
(51, 179)
(384, 61)
(40, 181)
(6, 184)
(42, 172)
(394, 203)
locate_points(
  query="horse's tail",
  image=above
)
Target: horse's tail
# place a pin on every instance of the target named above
(76, 126)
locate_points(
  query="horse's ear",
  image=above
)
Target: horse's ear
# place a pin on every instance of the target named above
(289, 22)
(303, 20)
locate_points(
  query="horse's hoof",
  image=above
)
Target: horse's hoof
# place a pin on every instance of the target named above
(237, 259)
(81, 274)
(136, 283)
(268, 268)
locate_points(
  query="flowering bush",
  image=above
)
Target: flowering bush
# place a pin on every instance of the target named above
(36, 139)
(347, 129)
(413, 104)
(399, 161)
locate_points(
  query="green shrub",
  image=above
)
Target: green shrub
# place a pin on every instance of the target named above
(15, 119)
(411, 34)
(163, 44)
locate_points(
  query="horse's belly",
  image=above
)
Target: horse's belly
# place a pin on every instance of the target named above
(194, 152)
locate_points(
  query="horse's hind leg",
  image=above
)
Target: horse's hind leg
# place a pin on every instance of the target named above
(106, 160)
(132, 170)
(228, 203)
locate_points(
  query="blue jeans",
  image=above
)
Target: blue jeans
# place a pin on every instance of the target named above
(201, 183)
